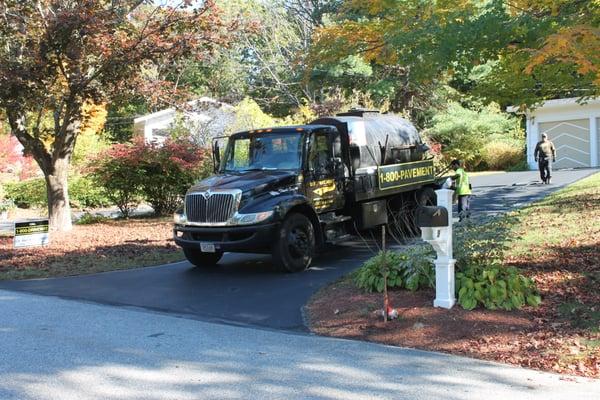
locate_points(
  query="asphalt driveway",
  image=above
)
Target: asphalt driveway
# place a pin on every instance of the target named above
(55, 349)
(244, 290)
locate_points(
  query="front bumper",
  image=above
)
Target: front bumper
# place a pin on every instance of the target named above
(242, 239)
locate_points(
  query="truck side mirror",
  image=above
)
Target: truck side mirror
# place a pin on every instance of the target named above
(216, 156)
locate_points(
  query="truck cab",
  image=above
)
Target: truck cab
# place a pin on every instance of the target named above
(285, 191)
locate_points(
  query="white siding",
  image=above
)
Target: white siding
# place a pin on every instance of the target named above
(581, 125)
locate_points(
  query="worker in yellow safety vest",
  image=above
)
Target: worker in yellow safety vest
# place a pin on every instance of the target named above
(463, 189)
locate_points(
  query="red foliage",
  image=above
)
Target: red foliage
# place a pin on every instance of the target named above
(435, 148)
(10, 153)
(12, 159)
(159, 173)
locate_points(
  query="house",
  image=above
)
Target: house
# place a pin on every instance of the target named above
(204, 118)
(572, 125)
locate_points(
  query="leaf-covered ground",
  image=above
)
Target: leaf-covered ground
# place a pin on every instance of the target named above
(98, 247)
(558, 246)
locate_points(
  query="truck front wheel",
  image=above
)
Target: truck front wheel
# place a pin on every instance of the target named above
(295, 245)
(202, 260)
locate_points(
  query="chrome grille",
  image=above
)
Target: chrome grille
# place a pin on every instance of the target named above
(211, 207)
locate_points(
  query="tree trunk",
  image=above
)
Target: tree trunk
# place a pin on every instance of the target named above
(55, 165)
(59, 210)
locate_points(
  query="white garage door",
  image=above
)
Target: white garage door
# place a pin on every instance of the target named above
(571, 140)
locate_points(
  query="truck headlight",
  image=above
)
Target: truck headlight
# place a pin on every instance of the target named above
(252, 218)
(179, 218)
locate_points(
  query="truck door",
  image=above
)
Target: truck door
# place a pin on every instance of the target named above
(324, 172)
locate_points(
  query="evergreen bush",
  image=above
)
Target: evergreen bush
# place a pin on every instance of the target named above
(465, 132)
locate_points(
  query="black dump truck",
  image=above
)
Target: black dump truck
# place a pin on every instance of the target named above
(291, 190)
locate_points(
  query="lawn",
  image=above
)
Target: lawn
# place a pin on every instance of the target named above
(103, 246)
(556, 242)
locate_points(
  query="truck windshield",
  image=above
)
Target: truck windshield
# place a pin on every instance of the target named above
(265, 151)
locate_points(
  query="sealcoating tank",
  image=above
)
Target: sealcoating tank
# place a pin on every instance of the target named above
(378, 139)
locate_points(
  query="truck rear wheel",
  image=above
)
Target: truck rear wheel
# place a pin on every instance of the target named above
(402, 211)
(295, 245)
(202, 260)
(426, 197)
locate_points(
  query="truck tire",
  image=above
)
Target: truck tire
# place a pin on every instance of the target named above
(202, 260)
(295, 244)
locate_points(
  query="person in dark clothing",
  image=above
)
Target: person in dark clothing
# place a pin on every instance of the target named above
(545, 155)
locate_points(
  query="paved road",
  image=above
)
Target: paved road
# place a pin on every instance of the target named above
(56, 349)
(244, 290)
(497, 193)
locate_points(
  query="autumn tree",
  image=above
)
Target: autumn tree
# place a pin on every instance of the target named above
(58, 55)
(515, 51)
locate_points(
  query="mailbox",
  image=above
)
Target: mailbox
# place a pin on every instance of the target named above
(432, 217)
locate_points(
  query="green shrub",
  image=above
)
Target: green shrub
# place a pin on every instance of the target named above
(83, 193)
(411, 269)
(6, 205)
(88, 219)
(463, 132)
(480, 250)
(483, 242)
(520, 166)
(502, 155)
(28, 193)
(370, 275)
(495, 287)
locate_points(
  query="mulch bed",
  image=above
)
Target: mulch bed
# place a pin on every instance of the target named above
(556, 243)
(562, 335)
(102, 246)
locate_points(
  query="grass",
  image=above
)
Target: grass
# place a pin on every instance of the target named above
(559, 245)
(569, 215)
(579, 315)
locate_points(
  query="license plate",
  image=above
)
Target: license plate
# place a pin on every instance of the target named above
(207, 247)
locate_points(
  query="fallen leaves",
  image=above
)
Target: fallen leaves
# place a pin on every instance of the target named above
(559, 249)
(92, 248)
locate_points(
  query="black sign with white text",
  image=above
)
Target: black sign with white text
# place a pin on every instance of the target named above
(31, 233)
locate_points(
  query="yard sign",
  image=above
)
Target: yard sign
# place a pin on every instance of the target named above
(31, 233)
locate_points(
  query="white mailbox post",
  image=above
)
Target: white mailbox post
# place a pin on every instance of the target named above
(441, 240)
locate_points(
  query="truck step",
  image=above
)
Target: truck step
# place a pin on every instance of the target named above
(340, 239)
(336, 219)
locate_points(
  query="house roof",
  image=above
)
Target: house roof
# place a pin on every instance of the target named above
(556, 103)
(193, 103)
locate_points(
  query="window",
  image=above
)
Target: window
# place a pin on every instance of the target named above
(320, 154)
(264, 152)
